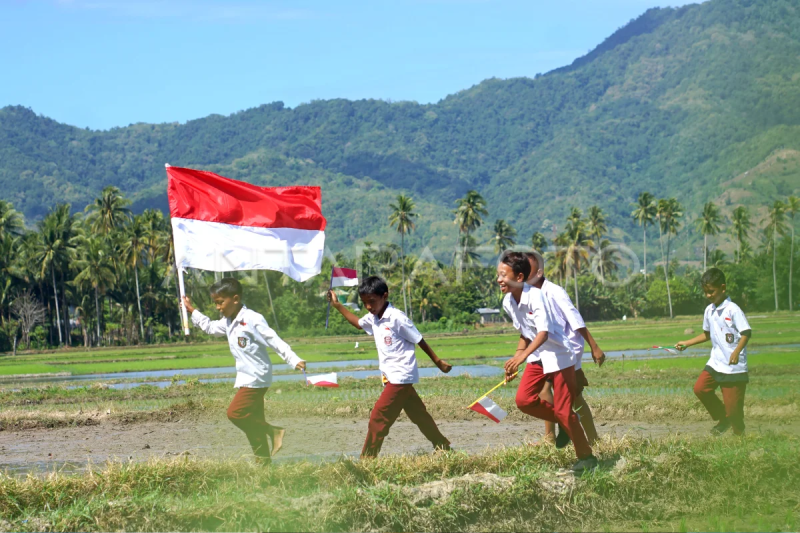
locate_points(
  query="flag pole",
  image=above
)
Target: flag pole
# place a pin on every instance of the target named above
(495, 388)
(184, 315)
(328, 314)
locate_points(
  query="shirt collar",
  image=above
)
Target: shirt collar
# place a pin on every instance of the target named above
(239, 315)
(386, 313)
(722, 305)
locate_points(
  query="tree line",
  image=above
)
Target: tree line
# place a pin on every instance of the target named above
(106, 276)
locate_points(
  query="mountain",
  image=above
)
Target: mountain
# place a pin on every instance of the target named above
(700, 102)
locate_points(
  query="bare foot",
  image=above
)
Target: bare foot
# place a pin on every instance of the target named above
(277, 439)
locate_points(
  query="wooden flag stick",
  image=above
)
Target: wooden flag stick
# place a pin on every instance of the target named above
(184, 315)
(495, 388)
(328, 314)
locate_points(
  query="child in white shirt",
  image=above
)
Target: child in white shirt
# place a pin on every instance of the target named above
(726, 326)
(395, 336)
(248, 337)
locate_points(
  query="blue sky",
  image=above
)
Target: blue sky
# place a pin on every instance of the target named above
(107, 63)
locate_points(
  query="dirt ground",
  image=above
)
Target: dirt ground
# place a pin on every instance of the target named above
(71, 449)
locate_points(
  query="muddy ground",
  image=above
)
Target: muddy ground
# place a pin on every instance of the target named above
(72, 448)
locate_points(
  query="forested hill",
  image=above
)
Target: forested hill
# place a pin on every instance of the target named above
(700, 102)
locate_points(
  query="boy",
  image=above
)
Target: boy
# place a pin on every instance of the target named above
(248, 338)
(725, 324)
(543, 344)
(395, 337)
(575, 328)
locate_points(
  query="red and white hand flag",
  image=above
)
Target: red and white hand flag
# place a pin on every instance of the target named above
(344, 277)
(323, 380)
(222, 225)
(488, 408)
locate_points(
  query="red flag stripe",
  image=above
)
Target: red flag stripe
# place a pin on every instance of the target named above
(200, 195)
(344, 273)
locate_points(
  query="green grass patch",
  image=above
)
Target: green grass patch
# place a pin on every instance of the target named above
(674, 484)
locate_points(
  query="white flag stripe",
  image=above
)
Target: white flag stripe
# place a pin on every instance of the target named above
(342, 281)
(222, 247)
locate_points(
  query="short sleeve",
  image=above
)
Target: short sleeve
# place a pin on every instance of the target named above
(407, 330)
(569, 311)
(706, 323)
(739, 320)
(538, 314)
(365, 323)
(510, 313)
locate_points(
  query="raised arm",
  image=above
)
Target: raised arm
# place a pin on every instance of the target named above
(346, 313)
(211, 327)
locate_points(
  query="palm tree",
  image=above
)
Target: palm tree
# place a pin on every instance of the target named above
(53, 250)
(792, 207)
(668, 213)
(776, 226)
(403, 216)
(504, 235)
(10, 221)
(109, 211)
(133, 250)
(644, 215)
(95, 269)
(597, 229)
(717, 258)
(708, 224)
(538, 241)
(578, 245)
(469, 217)
(606, 259)
(741, 228)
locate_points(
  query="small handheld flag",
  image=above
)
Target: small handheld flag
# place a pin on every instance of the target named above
(672, 351)
(488, 408)
(323, 380)
(340, 277)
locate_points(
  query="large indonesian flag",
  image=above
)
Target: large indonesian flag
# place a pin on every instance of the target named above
(488, 408)
(220, 224)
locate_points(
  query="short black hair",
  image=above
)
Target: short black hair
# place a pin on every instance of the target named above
(373, 285)
(226, 287)
(713, 277)
(518, 263)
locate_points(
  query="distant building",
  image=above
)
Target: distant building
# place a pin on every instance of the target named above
(489, 315)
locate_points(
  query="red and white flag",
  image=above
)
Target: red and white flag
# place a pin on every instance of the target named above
(344, 277)
(488, 408)
(220, 224)
(323, 380)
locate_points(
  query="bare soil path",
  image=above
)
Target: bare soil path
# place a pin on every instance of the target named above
(71, 449)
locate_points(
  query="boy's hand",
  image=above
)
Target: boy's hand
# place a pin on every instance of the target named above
(300, 366)
(333, 299)
(681, 346)
(512, 365)
(734, 360)
(598, 356)
(444, 366)
(187, 303)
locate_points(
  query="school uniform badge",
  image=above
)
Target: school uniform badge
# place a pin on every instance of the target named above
(387, 340)
(242, 342)
(729, 338)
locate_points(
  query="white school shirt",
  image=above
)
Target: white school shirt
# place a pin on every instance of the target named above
(248, 338)
(567, 316)
(725, 323)
(534, 314)
(395, 337)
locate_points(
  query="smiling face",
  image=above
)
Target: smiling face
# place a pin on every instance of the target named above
(715, 295)
(508, 281)
(375, 304)
(228, 306)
